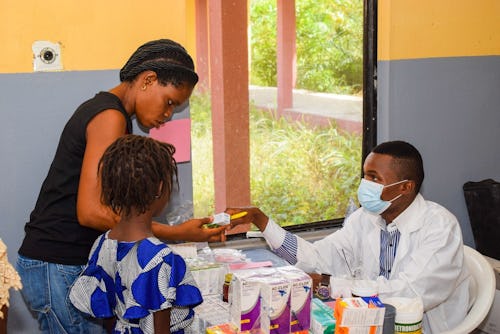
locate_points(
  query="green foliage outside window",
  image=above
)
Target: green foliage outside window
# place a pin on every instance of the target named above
(299, 173)
(329, 43)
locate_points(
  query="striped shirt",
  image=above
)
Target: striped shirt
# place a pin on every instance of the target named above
(389, 240)
(288, 250)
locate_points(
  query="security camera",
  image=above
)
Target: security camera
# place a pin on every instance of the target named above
(48, 55)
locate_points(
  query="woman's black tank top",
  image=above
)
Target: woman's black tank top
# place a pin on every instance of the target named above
(53, 233)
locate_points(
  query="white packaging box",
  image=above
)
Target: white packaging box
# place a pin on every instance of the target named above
(322, 319)
(300, 297)
(275, 312)
(210, 279)
(221, 219)
(245, 301)
(491, 325)
(358, 316)
(213, 311)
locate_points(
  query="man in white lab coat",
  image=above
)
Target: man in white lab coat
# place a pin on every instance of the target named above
(409, 246)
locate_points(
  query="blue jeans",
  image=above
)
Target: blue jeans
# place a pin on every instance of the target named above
(46, 289)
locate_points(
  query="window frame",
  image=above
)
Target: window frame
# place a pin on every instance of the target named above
(369, 114)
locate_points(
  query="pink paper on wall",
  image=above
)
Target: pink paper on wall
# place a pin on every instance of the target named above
(177, 133)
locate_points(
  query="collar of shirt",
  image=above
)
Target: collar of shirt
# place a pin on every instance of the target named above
(409, 220)
(391, 227)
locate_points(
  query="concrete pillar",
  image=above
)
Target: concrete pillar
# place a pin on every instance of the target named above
(230, 105)
(286, 54)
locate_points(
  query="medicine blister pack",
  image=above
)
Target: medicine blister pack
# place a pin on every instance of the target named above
(221, 219)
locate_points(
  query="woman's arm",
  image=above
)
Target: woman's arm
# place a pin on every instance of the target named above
(102, 131)
(190, 230)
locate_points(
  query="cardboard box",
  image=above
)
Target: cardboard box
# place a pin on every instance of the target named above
(322, 321)
(300, 298)
(275, 312)
(245, 301)
(359, 315)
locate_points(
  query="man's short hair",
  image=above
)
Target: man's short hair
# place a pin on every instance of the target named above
(408, 162)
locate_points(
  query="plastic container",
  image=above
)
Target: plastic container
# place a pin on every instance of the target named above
(364, 288)
(389, 319)
(409, 314)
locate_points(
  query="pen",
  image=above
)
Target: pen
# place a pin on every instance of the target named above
(347, 263)
(239, 215)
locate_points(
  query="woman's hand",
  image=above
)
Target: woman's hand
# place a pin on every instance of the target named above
(194, 230)
(253, 215)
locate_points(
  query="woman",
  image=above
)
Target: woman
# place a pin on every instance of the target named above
(68, 215)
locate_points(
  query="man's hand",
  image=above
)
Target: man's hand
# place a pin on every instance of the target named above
(253, 215)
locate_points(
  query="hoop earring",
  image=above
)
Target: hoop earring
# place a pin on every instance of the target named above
(144, 87)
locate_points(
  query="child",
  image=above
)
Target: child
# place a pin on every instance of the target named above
(131, 275)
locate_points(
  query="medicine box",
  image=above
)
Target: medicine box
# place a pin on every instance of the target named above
(275, 294)
(300, 297)
(221, 219)
(322, 320)
(245, 301)
(209, 278)
(359, 315)
(211, 312)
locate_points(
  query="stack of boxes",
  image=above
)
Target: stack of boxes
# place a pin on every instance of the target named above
(271, 301)
(276, 300)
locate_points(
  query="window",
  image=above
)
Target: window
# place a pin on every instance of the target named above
(305, 166)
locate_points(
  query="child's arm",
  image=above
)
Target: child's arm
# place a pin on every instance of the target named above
(162, 321)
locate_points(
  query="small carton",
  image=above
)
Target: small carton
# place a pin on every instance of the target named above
(300, 297)
(322, 321)
(211, 312)
(359, 315)
(221, 219)
(275, 312)
(245, 301)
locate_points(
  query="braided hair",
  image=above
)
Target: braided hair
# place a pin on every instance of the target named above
(132, 170)
(168, 59)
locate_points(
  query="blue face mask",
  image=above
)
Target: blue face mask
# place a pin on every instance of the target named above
(369, 196)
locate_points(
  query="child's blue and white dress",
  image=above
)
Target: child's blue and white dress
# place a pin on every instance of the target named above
(132, 280)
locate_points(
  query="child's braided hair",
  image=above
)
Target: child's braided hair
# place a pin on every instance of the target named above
(134, 171)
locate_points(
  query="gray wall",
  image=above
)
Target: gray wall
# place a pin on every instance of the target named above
(34, 108)
(449, 108)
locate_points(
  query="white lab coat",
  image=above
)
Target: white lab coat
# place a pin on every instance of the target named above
(429, 259)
